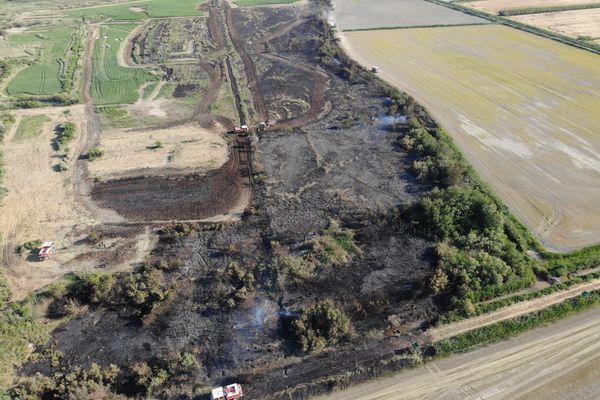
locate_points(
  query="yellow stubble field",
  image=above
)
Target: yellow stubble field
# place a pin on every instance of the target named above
(525, 111)
(495, 6)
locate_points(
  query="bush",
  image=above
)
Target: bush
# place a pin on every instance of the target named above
(335, 246)
(145, 290)
(4, 291)
(29, 246)
(66, 133)
(95, 153)
(320, 326)
(93, 288)
(94, 383)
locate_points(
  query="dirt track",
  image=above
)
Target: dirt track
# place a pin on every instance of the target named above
(555, 362)
(321, 79)
(513, 311)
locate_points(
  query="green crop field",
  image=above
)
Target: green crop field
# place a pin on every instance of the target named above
(524, 109)
(30, 127)
(50, 50)
(140, 10)
(250, 3)
(112, 83)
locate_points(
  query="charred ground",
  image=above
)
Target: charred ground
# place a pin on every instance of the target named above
(226, 293)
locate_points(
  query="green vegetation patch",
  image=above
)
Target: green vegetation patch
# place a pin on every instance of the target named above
(322, 325)
(140, 10)
(20, 328)
(251, 3)
(30, 127)
(505, 329)
(55, 55)
(111, 83)
(116, 117)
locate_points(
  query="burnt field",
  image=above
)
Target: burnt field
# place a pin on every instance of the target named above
(322, 224)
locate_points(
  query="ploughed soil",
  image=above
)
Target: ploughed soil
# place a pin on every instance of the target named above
(176, 197)
(332, 159)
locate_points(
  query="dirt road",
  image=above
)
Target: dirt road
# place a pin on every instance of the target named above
(513, 311)
(551, 363)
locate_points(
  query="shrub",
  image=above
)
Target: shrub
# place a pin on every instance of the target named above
(4, 291)
(321, 325)
(336, 245)
(95, 153)
(66, 133)
(93, 287)
(29, 246)
(145, 290)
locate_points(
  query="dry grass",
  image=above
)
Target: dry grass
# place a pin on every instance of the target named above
(41, 203)
(494, 6)
(525, 110)
(185, 148)
(573, 23)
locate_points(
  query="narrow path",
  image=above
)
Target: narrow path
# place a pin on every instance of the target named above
(92, 132)
(525, 307)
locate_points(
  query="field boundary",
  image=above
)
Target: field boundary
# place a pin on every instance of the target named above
(383, 28)
(512, 311)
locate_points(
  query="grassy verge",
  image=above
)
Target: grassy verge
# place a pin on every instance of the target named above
(506, 329)
(564, 264)
(6, 121)
(383, 28)
(495, 305)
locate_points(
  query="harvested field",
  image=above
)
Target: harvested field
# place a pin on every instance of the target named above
(181, 149)
(371, 14)
(508, 98)
(495, 6)
(575, 23)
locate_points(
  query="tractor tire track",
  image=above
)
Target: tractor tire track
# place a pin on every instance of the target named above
(321, 78)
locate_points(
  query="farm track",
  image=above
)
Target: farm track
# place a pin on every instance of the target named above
(513, 311)
(321, 79)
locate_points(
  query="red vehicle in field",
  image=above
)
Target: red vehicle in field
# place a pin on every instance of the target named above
(229, 392)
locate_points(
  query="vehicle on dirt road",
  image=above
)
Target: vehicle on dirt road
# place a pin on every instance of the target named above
(229, 392)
